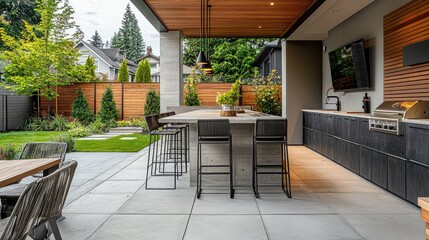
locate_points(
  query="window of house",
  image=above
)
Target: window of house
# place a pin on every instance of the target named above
(153, 65)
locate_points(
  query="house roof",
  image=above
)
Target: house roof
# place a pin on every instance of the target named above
(111, 56)
(265, 52)
(150, 55)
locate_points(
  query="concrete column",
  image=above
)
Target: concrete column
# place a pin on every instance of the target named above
(171, 72)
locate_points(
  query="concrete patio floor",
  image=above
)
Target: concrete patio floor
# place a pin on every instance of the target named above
(108, 201)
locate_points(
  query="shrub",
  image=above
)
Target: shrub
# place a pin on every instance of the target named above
(98, 127)
(123, 123)
(123, 75)
(79, 132)
(74, 124)
(9, 152)
(267, 94)
(90, 70)
(81, 110)
(67, 139)
(191, 93)
(36, 124)
(152, 104)
(108, 112)
(58, 123)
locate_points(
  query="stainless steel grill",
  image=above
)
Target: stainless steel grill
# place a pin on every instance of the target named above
(389, 115)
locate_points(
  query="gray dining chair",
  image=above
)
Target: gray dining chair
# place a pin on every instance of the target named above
(9, 195)
(40, 203)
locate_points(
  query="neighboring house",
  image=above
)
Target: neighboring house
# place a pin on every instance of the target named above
(154, 62)
(107, 61)
(270, 58)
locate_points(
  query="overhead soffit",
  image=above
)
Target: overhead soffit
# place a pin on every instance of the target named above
(231, 18)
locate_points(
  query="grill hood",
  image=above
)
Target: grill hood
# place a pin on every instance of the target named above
(403, 110)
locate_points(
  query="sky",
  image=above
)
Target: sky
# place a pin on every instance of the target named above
(105, 16)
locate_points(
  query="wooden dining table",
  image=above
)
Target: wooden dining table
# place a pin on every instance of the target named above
(12, 171)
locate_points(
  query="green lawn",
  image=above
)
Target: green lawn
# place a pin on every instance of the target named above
(21, 137)
(114, 144)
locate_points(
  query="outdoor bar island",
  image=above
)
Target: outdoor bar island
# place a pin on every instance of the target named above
(242, 128)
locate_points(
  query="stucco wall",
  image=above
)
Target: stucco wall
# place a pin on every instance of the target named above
(366, 24)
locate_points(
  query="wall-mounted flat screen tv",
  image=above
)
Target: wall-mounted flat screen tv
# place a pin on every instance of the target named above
(349, 69)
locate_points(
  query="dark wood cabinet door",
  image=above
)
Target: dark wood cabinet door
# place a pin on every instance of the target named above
(417, 181)
(345, 128)
(396, 176)
(365, 163)
(354, 158)
(417, 143)
(338, 150)
(396, 145)
(345, 154)
(305, 116)
(364, 133)
(354, 130)
(338, 126)
(307, 137)
(379, 169)
(330, 124)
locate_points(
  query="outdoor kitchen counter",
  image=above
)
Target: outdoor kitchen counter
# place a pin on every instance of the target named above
(360, 115)
(242, 127)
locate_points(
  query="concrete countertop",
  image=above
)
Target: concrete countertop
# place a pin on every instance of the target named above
(361, 115)
(249, 117)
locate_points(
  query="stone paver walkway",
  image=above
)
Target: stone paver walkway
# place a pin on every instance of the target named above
(108, 201)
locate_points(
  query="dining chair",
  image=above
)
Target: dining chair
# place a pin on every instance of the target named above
(214, 131)
(9, 195)
(53, 202)
(273, 132)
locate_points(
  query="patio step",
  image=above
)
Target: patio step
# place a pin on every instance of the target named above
(124, 130)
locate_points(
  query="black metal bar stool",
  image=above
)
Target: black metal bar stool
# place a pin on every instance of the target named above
(183, 138)
(158, 142)
(271, 131)
(214, 132)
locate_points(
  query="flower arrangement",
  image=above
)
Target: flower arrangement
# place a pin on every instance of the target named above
(231, 97)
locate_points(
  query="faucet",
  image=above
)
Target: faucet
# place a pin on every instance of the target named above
(338, 103)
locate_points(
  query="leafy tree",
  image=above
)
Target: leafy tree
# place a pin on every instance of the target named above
(90, 70)
(14, 14)
(96, 40)
(81, 110)
(152, 105)
(123, 75)
(108, 112)
(36, 64)
(230, 58)
(129, 37)
(191, 91)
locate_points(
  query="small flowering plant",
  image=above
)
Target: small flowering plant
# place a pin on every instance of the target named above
(267, 93)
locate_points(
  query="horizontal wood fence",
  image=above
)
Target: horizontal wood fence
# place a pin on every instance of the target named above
(130, 98)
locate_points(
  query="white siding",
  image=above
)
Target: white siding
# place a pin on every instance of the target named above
(102, 66)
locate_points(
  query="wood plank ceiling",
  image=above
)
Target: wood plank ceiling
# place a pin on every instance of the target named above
(231, 18)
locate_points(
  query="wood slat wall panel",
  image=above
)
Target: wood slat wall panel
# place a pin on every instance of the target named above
(407, 25)
(134, 96)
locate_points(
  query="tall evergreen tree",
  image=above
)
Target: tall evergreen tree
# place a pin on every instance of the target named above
(123, 75)
(90, 69)
(107, 44)
(108, 112)
(147, 76)
(129, 37)
(116, 41)
(96, 40)
(139, 73)
(80, 108)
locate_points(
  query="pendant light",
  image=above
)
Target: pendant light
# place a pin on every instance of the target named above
(207, 67)
(201, 56)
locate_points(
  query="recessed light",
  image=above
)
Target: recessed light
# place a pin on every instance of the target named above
(259, 26)
(271, 3)
(335, 11)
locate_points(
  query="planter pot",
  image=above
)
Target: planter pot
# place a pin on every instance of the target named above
(227, 107)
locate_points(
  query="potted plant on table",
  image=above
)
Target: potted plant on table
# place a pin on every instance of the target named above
(229, 99)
